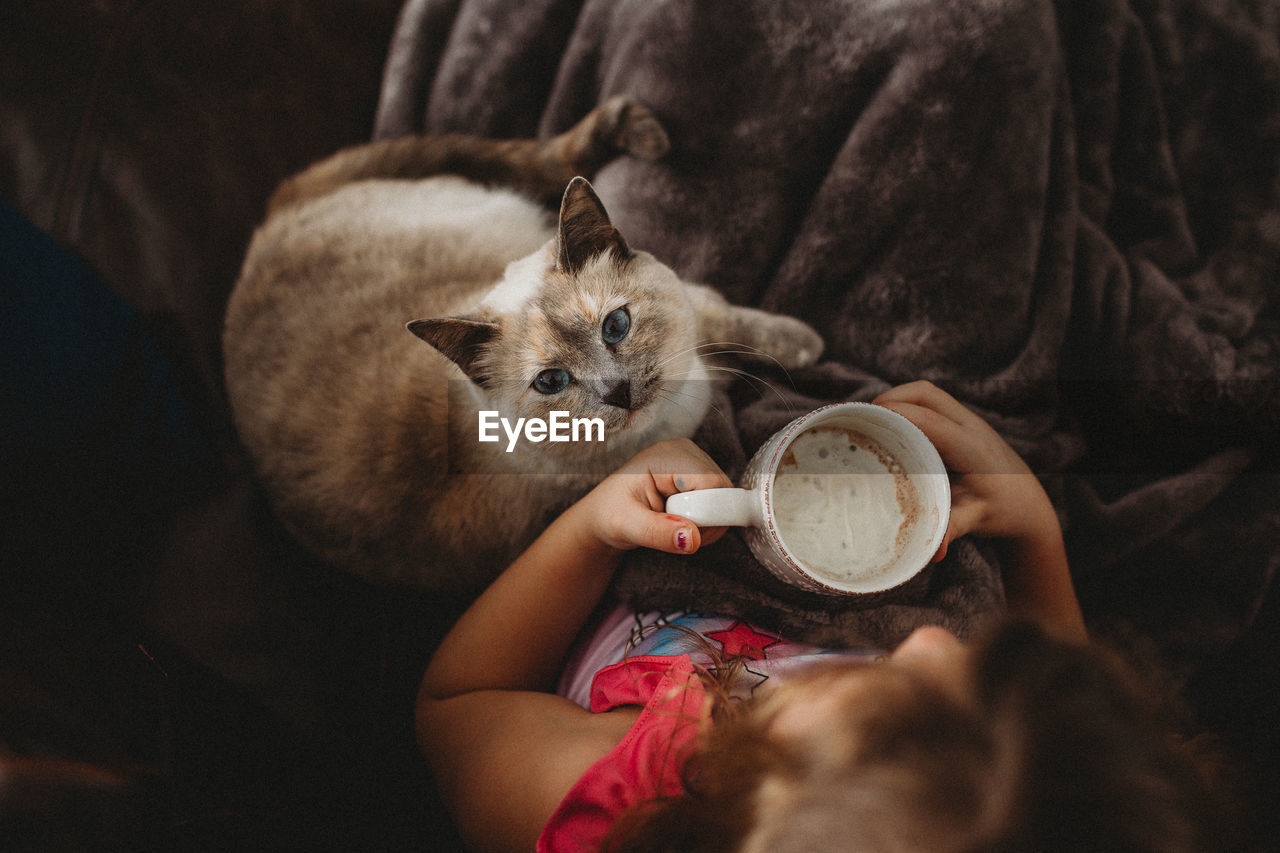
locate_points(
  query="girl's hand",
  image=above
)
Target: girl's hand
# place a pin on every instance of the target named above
(995, 493)
(505, 749)
(627, 509)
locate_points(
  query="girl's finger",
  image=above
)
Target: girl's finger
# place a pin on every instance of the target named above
(949, 437)
(708, 535)
(669, 533)
(687, 481)
(678, 466)
(966, 515)
(930, 396)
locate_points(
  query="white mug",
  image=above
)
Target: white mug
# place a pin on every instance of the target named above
(850, 498)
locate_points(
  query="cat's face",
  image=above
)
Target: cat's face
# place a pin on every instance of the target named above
(585, 326)
(612, 341)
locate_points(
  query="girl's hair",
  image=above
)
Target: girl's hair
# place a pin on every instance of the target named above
(1061, 749)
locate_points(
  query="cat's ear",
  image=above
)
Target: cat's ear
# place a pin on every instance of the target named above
(585, 230)
(460, 340)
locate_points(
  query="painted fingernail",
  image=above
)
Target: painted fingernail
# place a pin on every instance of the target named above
(682, 540)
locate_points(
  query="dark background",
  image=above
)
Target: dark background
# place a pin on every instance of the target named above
(174, 673)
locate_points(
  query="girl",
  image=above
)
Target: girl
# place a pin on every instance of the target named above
(1025, 741)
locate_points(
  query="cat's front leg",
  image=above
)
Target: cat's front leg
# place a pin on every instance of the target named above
(752, 333)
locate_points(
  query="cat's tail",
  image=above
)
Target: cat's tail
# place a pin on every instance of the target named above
(539, 168)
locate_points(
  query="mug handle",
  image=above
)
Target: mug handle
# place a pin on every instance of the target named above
(717, 507)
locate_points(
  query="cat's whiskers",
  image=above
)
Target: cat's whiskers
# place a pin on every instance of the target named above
(713, 348)
(665, 393)
(755, 382)
(734, 348)
(669, 388)
(677, 354)
(751, 379)
(752, 351)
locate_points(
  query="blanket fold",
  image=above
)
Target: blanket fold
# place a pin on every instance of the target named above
(1066, 214)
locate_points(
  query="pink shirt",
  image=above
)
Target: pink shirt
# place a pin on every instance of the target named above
(646, 763)
(641, 659)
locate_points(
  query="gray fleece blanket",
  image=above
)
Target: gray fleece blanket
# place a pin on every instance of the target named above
(1066, 214)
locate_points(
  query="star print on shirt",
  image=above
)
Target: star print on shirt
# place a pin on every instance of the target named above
(740, 640)
(747, 680)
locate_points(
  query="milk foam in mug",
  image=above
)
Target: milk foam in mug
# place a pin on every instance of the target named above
(850, 498)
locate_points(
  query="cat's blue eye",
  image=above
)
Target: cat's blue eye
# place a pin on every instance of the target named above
(551, 381)
(616, 325)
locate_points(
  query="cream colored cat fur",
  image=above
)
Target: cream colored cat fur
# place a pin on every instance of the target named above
(366, 438)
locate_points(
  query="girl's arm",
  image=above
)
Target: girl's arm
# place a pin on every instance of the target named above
(997, 496)
(505, 751)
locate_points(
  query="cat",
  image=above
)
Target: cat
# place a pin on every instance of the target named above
(368, 441)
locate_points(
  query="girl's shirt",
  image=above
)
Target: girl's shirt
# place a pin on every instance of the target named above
(651, 660)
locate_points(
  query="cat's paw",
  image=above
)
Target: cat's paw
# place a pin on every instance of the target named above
(793, 343)
(621, 125)
(632, 128)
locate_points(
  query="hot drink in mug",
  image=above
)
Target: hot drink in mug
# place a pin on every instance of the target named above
(850, 498)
